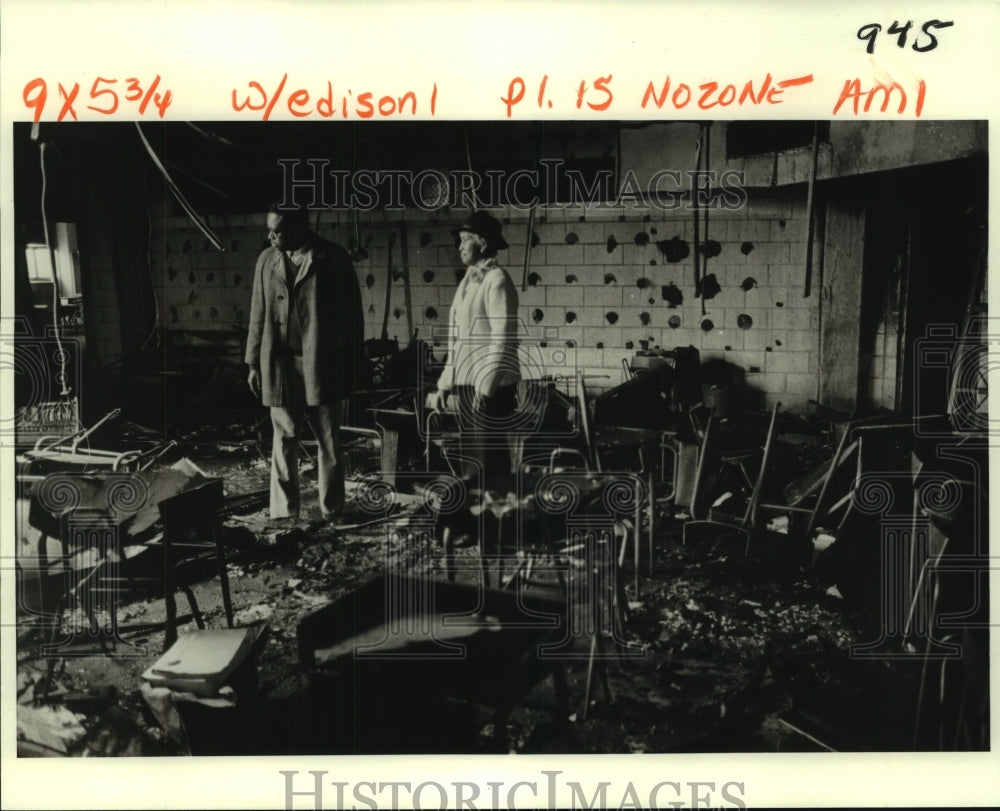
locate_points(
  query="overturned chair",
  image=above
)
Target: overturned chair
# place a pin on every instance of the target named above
(123, 537)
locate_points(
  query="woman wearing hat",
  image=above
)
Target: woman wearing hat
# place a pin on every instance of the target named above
(482, 369)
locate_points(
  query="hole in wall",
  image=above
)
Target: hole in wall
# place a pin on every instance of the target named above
(711, 249)
(672, 295)
(708, 287)
(674, 249)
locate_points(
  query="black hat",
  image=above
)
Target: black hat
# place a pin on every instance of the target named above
(487, 226)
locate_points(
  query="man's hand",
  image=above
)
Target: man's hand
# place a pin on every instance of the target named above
(253, 380)
(438, 401)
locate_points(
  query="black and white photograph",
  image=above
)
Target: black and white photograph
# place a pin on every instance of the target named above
(479, 437)
(464, 419)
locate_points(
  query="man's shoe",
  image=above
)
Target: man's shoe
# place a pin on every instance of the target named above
(337, 519)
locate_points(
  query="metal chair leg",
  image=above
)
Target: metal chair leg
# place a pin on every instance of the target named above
(199, 620)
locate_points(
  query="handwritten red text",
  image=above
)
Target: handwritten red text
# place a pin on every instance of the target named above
(105, 95)
(300, 103)
(712, 94)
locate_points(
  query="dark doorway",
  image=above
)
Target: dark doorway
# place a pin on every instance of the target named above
(925, 253)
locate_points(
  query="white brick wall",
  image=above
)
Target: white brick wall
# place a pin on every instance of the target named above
(788, 370)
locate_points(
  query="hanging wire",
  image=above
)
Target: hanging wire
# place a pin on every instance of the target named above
(468, 160)
(155, 331)
(55, 278)
(196, 218)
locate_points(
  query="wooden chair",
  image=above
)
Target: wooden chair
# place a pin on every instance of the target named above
(191, 534)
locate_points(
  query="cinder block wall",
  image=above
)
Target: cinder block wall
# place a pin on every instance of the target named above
(105, 309)
(591, 265)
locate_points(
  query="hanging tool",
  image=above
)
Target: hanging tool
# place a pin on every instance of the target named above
(388, 277)
(408, 302)
(527, 249)
(697, 218)
(706, 160)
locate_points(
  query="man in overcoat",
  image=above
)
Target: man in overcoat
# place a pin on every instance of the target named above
(305, 348)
